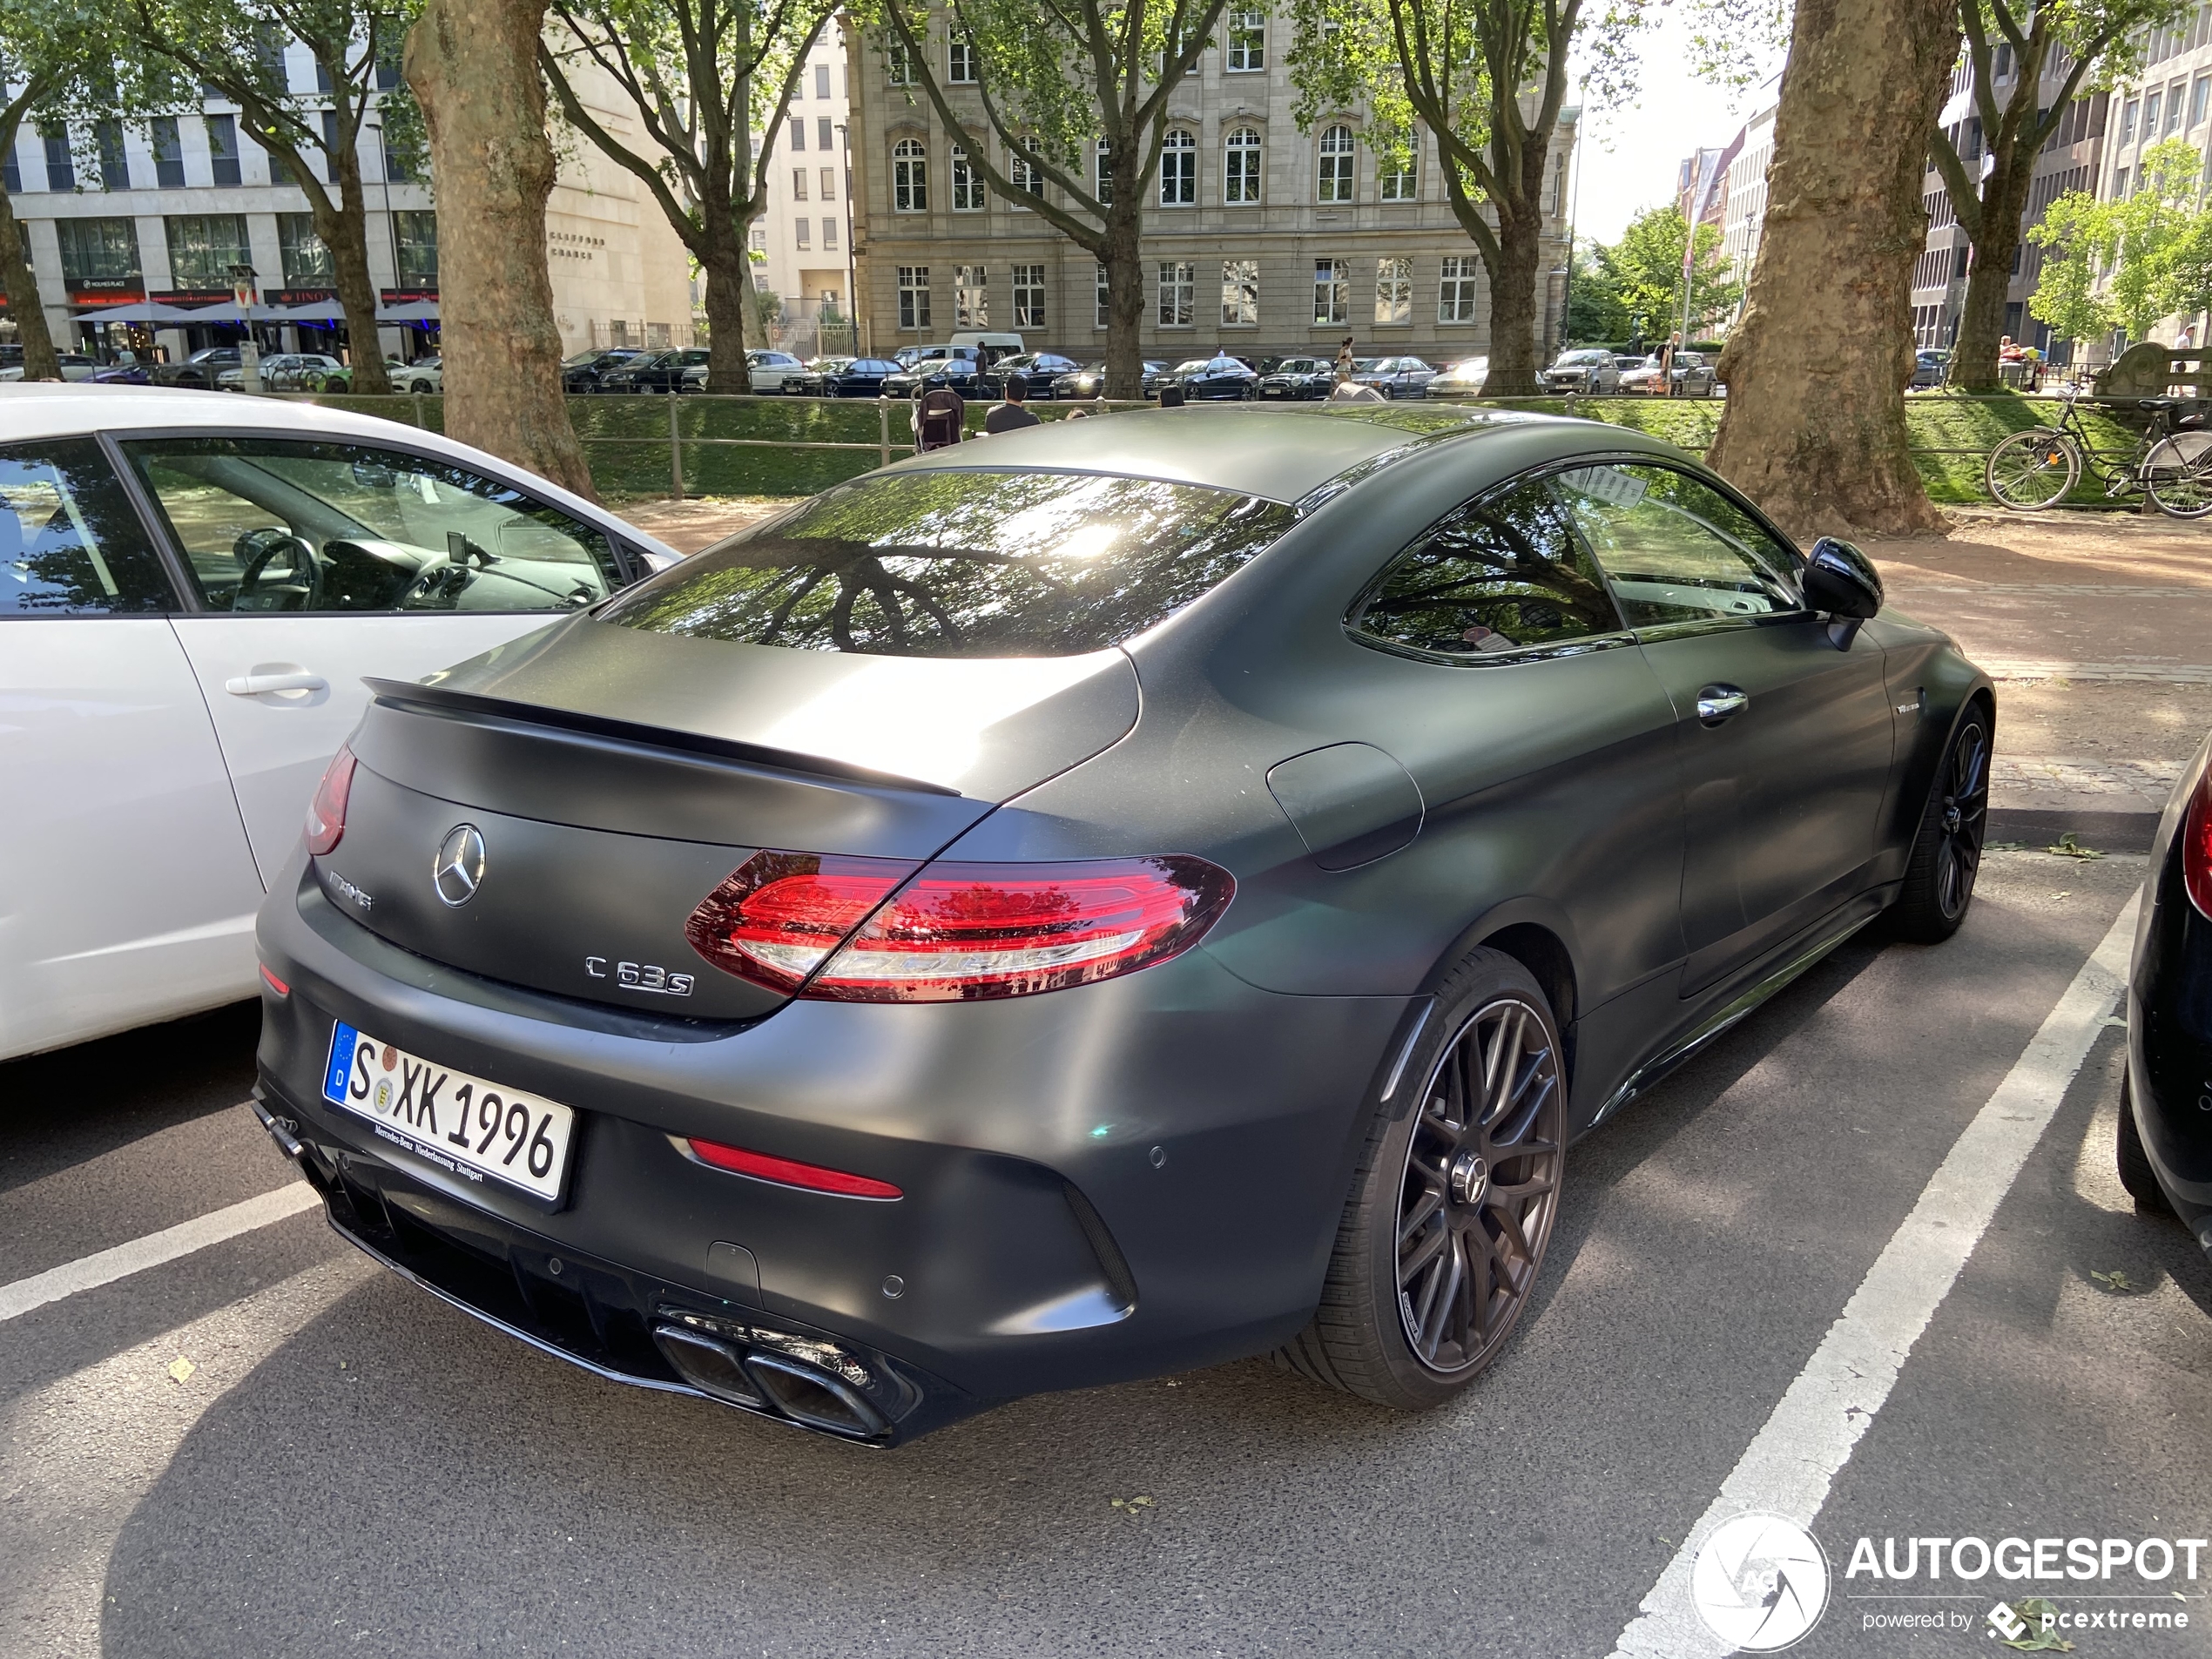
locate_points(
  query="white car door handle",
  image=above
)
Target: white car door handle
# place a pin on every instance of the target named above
(255, 685)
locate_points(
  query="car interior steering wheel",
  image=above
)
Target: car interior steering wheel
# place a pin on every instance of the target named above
(261, 548)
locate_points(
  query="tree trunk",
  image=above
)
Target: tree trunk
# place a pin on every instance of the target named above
(729, 291)
(1125, 300)
(345, 233)
(39, 363)
(1512, 301)
(473, 64)
(1989, 276)
(1814, 427)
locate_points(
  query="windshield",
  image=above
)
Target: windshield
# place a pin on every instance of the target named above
(962, 564)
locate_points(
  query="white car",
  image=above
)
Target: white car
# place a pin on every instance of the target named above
(192, 590)
(767, 369)
(75, 365)
(286, 371)
(423, 375)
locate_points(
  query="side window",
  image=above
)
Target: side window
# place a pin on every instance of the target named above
(70, 544)
(1497, 575)
(269, 524)
(1677, 549)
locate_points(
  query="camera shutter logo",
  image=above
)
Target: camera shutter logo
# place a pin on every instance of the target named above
(458, 870)
(1759, 1582)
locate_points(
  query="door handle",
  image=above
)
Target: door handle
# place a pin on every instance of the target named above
(254, 685)
(1717, 703)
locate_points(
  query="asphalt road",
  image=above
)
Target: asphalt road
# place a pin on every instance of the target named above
(349, 1466)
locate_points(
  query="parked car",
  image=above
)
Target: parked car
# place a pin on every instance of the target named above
(199, 369)
(178, 732)
(960, 368)
(284, 372)
(1693, 375)
(75, 365)
(1462, 378)
(1041, 369)
(425, 374)
(1643, 379)
(1296, 380)
(769, 372)
(2165, 1141)
(798, 1129)
(1587, 370)
(1090, 380)
(1396, 377)
(1930, 367)
(862, 377)
(905, 355)
(126, 370)
(1216, 377)
(809, 382)
(660, 371)
(584, 371)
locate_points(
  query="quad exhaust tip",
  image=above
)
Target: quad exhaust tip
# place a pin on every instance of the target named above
(772, 1383)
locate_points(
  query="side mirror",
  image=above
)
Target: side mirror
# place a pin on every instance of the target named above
(1841, 581)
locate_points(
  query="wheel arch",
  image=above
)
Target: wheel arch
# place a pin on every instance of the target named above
(1537, 934)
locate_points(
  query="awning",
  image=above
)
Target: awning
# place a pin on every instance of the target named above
(144, 311)
(413, 311)
(320, 311)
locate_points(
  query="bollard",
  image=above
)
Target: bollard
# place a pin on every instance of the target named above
(420, 424)
(882, 432)
(675, 450)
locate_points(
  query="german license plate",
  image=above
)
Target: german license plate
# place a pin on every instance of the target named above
(466, 1125)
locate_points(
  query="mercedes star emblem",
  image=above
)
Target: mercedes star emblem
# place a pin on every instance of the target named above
(459, 869)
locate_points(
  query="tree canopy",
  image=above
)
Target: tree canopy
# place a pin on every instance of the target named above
(1636, 282)
(2127, 264)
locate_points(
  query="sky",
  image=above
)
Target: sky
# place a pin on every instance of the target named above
(1630, 154)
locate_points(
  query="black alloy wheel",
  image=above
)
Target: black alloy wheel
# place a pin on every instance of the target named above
(1481, 1187)
(1946, 853)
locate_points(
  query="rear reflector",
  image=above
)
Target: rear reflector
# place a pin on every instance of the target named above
(785, 1171)
(2196, 846)
(273, 983)
(956, 931)
(327, 812)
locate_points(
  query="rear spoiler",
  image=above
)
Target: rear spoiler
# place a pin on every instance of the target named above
(438, 701)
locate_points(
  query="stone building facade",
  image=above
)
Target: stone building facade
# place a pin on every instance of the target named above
(1260, 239)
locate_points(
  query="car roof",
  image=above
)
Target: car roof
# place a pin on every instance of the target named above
(1270, 451)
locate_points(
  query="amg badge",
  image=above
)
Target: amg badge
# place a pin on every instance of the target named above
(641, 976)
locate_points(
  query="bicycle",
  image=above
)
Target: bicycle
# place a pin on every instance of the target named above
(2171, 461)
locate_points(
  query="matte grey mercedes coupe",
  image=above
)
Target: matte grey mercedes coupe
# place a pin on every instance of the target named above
(1119, 897)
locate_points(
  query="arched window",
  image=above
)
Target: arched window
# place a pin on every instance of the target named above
(967, 184)
(1335, 166)
(909, 177)
(1179, 171)
(1240, 174)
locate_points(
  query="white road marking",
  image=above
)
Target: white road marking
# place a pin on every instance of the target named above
(1789, 1469)
(104, 1267)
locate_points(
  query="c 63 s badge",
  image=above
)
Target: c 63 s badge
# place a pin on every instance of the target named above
(640, 977)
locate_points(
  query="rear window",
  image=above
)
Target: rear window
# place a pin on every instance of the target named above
(962, 564)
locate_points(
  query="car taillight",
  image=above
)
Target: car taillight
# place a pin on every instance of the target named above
(327, 812)
(2196, 845)
(762, 1166)
(956, 931)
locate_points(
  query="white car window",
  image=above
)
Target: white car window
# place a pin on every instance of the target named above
(278, 525)
(70, 544)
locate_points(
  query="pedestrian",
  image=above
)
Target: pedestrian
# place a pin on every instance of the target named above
(939, 416)
(1345, 365)
(1667, 363)
(1016, 411)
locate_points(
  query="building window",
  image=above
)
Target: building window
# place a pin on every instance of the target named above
(417, 232)
(2118, 193)
(2127, 121)
(99, 250)
(2150, 117)
(61, 173)
(799, 184)
(825, 130)
(1455, 300)
(971, 297)
(1029, 296)
(168, 154)
(307, 261)
(1179, 171)
(1240, 172)
(821, 80)
(10, 171)
(1331, 289)
(115, 164)
(2199, 95)
(959, 62)
(803, 229)
(829, 184)
(202, 249)
(1393, 291)
(1247, 41)
(902, 64)
(1395, 177)
(914, 296)
(1240, 293)
(222, 150)
(798, 133)
(330, 146)
(829, 233)
(1104, 174)
(1178, 293)
(1024, 172)
(910, 181)
(1103, 294)
(1334, 184)
(2173, 109)
(967, 184)
(760, 237)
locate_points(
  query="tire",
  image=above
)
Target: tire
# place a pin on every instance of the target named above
(2020, 470)
(2177, 474)
(2136, 1172)
(1440, 1177)
(1946, 850)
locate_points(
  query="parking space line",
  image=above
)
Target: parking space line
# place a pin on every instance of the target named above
(105, 1266)
(1790, 1467)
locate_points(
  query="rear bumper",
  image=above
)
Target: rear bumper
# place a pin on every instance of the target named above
(1112, 1182)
